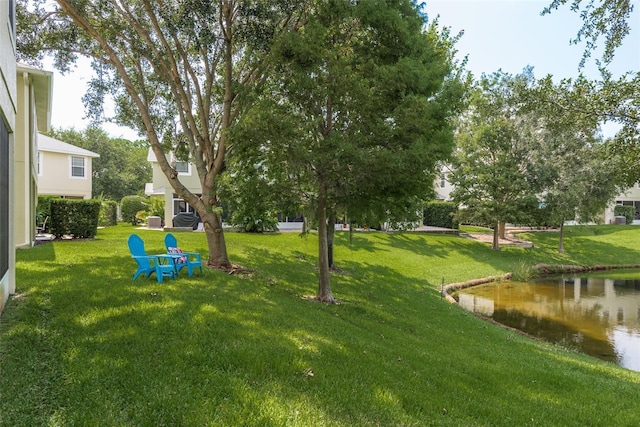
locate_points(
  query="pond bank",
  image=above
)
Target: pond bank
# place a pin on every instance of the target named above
(538, 270)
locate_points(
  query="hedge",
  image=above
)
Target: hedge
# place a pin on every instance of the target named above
(78, 218)
(130, 206)
(440, 214)
(43, 211)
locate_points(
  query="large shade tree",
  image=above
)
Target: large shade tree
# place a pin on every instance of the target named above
(355, 114)
(581, 173)
(523, 157)
(176, 71)
(496, 163)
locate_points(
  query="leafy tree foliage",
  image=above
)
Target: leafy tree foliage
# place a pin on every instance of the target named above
(586, 102)
(582, 174)
(608, 19)
(355, 114)
(130, 206)
(523, 158)
(122, 168)
(611, 99)
(176, 71)
(495, 164)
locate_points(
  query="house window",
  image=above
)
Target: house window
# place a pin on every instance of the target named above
(4, 198)
(443, 180)
(183, 168)
(77, 167)
(181, 206)
(39, 163)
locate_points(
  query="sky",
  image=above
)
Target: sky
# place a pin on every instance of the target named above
(510, 35)
(498, 34)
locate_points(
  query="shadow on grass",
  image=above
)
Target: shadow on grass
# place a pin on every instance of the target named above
(248, 350)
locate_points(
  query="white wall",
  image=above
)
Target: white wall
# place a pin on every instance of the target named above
(8, 117)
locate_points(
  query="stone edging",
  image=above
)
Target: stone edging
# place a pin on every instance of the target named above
(540, 269)
(445, 292)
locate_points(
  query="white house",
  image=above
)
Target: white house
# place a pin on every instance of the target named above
(63, 169)
(8, 107)
(34, 94)
(630, 197)
(442, 186)
(160, 187)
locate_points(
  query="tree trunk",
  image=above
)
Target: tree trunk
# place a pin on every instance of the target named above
(351, 232)
(561, 239)
(502, 228)
(218, 257)
(496, 238)
(331, 231)
(324, 285)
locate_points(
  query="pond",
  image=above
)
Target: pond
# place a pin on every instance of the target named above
(597, 313)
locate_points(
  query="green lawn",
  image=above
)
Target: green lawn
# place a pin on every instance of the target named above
(81, 344)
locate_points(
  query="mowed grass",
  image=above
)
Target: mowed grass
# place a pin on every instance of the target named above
(82, 344)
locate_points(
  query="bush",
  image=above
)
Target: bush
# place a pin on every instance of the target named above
(74, 217)
(629, 212)
(108, 213)
(257, 224)
(43, 211)
(155, 207)
(130, 206)
(440, 214)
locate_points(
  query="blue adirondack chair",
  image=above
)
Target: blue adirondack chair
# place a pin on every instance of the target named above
(191, 260)
(163, 265)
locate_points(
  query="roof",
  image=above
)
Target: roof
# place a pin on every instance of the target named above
(46, 143)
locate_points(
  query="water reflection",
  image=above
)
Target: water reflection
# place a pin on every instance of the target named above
(597, 315)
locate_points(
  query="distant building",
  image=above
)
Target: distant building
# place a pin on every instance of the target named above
(630, 197)
(160, 186)
(63, 169)
(442, 186)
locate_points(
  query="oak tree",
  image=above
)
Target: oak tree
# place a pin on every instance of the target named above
(176, 71)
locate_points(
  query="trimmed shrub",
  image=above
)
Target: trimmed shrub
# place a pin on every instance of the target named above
(130, 206)
(440, 214)
(629, 212)
(74, 217)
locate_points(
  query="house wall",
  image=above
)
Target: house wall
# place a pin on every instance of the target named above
(189, 180)
(25, 163)
(55, 176)
(7, 125)
(629, 197)
(442, 186)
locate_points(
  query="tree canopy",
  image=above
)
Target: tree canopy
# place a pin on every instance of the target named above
(606, 19)
(522, 158)
(615, 100)
(355, 114)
